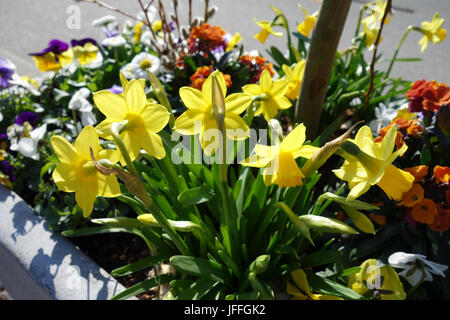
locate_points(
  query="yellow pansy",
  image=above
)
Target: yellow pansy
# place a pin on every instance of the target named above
(142, 119)
(271, 95)
(377, 281)
(308, 24)
(200, 117)
(432, 31)
(278, 161)
(85, 54)
(295, 77)
(234, 41)
(52, 62)
(301, 289)
(77, 173)
(266, 29)
(372, 164)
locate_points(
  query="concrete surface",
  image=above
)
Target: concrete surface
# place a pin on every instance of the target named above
(37, 264)
(28, 25)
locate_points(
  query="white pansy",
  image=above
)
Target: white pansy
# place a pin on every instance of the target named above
(28, 146)
(103, 21)
(383, 117)
(80, 103)
(143, 62)
(416, 267)
(116, 41)
(18, 81)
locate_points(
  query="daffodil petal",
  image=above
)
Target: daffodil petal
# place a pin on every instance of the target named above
(358, 189)
(64, 150)
(190, 122)
(86, 196)
(86, 140)
(104, 127)
(111, 105)
(65, 178)
(306, 151)
(236, 128)
(294, 139)
(108, 186)
(155, 117)
(193, 98)
(279, 88)
(252, 89)
(135, 97)
(152, 143)
(207, 86)
(237, 103)
(265, 81)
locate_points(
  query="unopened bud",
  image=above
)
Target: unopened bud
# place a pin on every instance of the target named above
(260, 264)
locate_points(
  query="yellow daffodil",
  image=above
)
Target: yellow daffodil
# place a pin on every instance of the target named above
(376, 15)
(200, 117)
(377, 281)
(370, 33)
(234, 41)
(308, 24)
(301, 289)
(271, 95)
(142, 119)
(372, 164)
(85, 54)
(278, 161)
(77, 173)
(432, 31)
(157, 26)
(266, 29)
(52, 62)
(295, 77)
(138, 31)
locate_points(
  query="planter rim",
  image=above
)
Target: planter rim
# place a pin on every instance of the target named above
(36, 263)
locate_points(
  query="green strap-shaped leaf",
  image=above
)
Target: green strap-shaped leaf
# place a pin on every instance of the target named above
(201, 268)
(326, 224)
(195, 196)
(138, 265)
(321, 258)
(143, 286)
(119, 222)
(300, 225)
(197, 290)
(330, 287)
(360, 220)
(355, 204)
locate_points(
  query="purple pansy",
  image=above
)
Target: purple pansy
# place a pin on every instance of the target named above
(82, 42)
(116, 89)
(7, 169)
(27, 116)
(56, 46)
(6, 71)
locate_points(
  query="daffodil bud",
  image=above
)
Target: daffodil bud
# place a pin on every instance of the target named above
(260, 264)
(148, 220)
(218, 101)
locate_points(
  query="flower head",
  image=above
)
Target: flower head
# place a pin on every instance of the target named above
(295, 77)
(372, 164)
(27, 116)
(279, 163)
(115, 41)
(80, 103)
(425, 211)
(432, 31)
(234, 40)
(266, 30)
(142, 119)
(383, 117)
(419, 172)
(7, 69)
(377, 281)
(416, 267)
(413, 196)
(308, 24)
(77, 173)
(54, 57)
(441, 174)
(301, 289)
(85, 50)
(442, 221)
(271, 95)
(142, 62)
(201, 119)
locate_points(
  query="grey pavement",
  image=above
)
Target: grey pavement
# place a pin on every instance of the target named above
(28, 25)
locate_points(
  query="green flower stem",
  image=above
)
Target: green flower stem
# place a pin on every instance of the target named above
(358, 24)
(407, 31)
(146, 199)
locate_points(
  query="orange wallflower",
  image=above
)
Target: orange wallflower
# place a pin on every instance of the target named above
(425, 211)
(398, 138)
(202, 73)
(414, 130)
(414, 96)
(205, 32)
(441, 174)
(413, 196)
(435, 95)
(419, 172)
(442, 221)
(378, 219)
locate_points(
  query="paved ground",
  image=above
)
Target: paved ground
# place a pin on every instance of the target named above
(28, 25)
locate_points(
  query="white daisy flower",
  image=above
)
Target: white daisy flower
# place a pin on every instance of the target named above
(116, 41)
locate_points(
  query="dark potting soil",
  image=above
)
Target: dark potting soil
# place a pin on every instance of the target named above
(111, 251)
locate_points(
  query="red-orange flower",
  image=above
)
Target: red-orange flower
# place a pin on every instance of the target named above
(205, 37)
(202, 73)
(378, 219)
(419, 172)
(425, 211)
(414, 129)
(414, 96)
(441, 174)
(413, 196)
(435, 95)
(442, 221)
